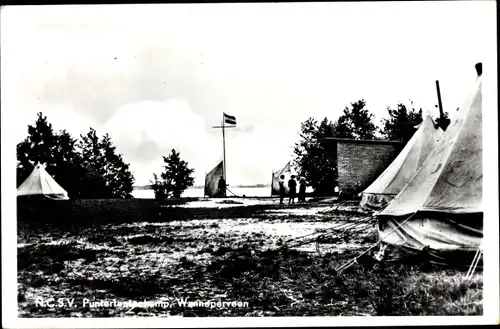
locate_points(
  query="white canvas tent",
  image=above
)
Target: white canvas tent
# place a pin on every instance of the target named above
(402, 169)
(41, 185)
(441, 206)
(287, 172)
(212, 181)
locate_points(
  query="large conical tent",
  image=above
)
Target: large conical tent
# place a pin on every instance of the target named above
(402, 169)
(212, 181)
(275, 187)
(440, 208)
(40, 184)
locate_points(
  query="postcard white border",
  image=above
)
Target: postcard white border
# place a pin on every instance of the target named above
(491, 241)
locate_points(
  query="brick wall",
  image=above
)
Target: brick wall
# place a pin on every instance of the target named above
(360, 162)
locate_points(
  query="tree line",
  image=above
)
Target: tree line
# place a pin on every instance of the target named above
(90, 167)
(314, 155)
(87, 168)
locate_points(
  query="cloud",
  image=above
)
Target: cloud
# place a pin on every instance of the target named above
(146, 131)
(59, 115)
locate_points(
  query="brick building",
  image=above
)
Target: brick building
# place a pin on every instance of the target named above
(360, 162)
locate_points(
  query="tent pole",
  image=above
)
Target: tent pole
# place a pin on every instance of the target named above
(479, 69)
(440, 105)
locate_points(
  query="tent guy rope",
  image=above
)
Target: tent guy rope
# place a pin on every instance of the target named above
(313, 237)
(353, 261)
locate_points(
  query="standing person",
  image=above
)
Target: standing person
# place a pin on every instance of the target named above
(302, 189)
(292, 185)
(282, 188)
(222, 187)
(336, 191)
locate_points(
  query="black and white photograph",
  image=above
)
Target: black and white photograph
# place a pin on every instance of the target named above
(249, 164)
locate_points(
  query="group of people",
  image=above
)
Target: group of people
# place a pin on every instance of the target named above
(292, 186)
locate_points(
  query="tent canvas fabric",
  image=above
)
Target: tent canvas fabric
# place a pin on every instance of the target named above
(275, 187)
(40, 184)
(441, 206)
(402, 169)
(212, 180)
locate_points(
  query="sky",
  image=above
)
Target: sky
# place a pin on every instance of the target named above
(157, 77)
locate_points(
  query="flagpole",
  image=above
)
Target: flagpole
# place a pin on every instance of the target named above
(223, 126)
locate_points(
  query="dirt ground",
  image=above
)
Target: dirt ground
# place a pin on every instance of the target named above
(228, 267)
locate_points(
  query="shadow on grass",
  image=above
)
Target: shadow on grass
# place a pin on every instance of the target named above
(103, 239)
(51, 258)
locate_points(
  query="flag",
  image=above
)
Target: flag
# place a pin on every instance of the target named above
(229, 119)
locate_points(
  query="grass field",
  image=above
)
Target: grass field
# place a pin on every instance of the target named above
(239, 257)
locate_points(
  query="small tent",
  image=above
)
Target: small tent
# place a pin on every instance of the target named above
(275, 186)
(402, 169)
(439, 211)
(212, 181)
(40, 184)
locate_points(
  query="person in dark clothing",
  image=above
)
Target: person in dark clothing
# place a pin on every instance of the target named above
(282, 188)
(292, 185)
(302, 190)
(222, 187)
